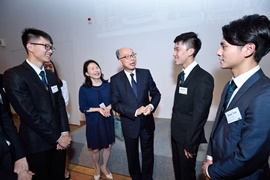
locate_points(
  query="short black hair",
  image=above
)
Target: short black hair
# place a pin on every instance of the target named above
(249, 29)
(190, 40)
(32, 34)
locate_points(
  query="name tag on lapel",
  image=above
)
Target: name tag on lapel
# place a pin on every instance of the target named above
(54, 89)
(233, 115)
(183, 90)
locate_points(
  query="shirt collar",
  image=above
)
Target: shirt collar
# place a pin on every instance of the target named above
(240, 80)
(128, 75)
(189, 68)
(37, 70)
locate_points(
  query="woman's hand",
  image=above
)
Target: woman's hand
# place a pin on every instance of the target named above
(105, 111)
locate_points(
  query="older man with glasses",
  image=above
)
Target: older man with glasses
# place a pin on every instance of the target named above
(130, 90)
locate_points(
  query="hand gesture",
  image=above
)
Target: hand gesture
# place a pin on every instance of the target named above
(204, 167)
(147, 110)
(20, 165)
(188, 154)
(25, 175)
(140, 110)
(64, 141)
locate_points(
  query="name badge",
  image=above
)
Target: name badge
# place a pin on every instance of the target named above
(54, 89)
(233, 115)
(183, 90)
(102, 105)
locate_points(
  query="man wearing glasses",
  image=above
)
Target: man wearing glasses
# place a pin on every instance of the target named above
(130, 90)
(36, 97)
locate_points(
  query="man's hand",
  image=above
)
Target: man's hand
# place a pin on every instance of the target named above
(140, 110)
(64, 140)
(188, 154)
(21, 165)
(147, 110)
(59, 147)
(204, 167)
(25, 175)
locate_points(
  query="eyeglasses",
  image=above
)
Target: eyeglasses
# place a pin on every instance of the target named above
(47, 46)
(128, 57)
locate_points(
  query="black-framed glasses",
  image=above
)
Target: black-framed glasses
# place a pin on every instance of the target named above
(128, 57)
(47, 46)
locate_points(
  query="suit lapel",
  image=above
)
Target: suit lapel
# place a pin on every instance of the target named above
(255, 77)
(126, 83)
(218, 119)
(49, 79)
(33, 75)
(139, 79)
(245, 87)
(36, 80)
(186, 82)
(191, 75)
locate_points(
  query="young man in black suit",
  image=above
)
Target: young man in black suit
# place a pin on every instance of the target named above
(13, 163)
(192, 101)
(130, 90)
(36, 97)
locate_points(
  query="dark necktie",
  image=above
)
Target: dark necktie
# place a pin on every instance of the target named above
(133, 84)
(182, 78)
(228, 96)
(42, 74)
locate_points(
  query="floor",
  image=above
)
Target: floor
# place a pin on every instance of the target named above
(83, 173)
(80, 172)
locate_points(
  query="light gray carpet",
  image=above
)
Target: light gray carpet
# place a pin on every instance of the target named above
(163, 168)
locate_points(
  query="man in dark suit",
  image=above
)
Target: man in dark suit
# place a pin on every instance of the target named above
(130, 90)
(13, 164)
(36, 97)
(192, 101)
(239, 143)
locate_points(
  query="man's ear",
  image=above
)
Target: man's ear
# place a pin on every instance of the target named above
(191, 51)
(29, 47)
(249, 49)
(120, 62)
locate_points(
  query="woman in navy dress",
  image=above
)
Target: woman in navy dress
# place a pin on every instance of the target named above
(94, 101)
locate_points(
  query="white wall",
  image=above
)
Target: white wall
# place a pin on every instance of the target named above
(148, 27)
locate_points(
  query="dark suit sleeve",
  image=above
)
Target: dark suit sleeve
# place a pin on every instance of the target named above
(10, 131)
(118, 104)
(154, 92)
(59, 104)
(201, 106)
(22, 100)
(253, 147)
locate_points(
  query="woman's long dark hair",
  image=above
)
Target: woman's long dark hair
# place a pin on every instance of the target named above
(88, 83)
(55, 72)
